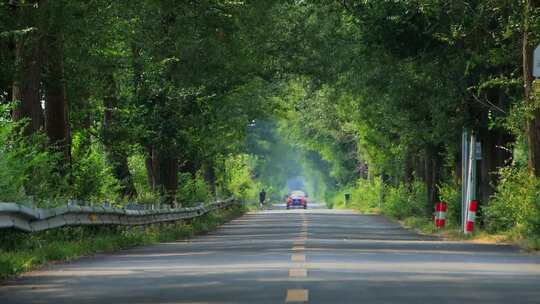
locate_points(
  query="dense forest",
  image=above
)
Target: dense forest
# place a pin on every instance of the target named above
(184, 101)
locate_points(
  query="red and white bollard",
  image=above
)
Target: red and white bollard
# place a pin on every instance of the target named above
(471, 216)
(440, 214)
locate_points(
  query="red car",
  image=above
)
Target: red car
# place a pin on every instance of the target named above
(297, 199)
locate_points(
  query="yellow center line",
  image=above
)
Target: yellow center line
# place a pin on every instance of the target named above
(297, 273)
(298, 248)
(298, 258)
(297, 295)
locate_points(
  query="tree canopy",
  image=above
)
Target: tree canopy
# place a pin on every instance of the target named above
(183, 100)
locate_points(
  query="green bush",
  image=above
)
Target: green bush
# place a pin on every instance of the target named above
(405, 201)
(91, 175)
(139, 173)
(365, 196)
(516, 203)
(33, 175)
(237, 179)
(450, 192)
(370, 195)
(27, 171)
(192, 190)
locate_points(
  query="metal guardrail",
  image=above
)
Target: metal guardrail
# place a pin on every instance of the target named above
(32, 220)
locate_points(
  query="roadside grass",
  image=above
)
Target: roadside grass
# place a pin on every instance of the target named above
(453, 232)
(21, 252)
(355, 205)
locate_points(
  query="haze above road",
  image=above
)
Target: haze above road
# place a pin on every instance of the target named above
(277, 256)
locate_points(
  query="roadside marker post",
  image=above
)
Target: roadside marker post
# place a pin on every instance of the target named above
(470, 189)
(464, 175)
(471, 216)
(440, 214)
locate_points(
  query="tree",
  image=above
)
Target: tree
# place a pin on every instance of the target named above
(530, 26)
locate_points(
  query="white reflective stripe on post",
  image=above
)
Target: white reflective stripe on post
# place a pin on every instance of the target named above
(441, 215)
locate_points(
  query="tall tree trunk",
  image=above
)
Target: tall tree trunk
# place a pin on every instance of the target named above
(533, 124)
(151, 163)
(168, 177)
(113, 140)
(494, 156)
(56, 105)
(420, 167)
(163, 162)
(26, 84)
(433, 175)
(210, 177)
(162, 170)
(408, 169)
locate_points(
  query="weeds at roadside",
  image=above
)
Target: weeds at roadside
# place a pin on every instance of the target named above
(453, 233)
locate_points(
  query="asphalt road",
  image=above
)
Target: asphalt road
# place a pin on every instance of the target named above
(296, 256)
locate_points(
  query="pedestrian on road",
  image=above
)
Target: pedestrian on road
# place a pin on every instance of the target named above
(262, 197)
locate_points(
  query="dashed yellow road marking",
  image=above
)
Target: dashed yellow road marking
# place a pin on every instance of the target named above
(297, 295)
(298, 257)
(298, 248)
(297, 273)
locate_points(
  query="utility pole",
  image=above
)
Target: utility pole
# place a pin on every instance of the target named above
(468, 187)
(464, 170)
